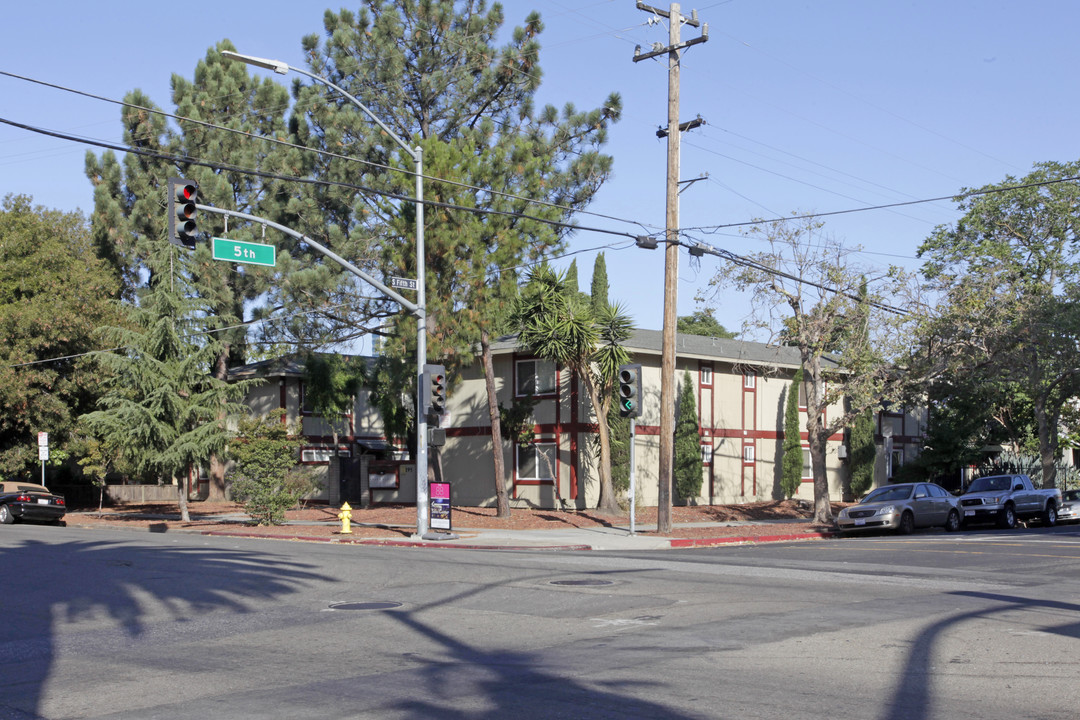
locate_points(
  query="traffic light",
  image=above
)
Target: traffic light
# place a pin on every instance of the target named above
(630, 390)
(435, 389)
(183, 194)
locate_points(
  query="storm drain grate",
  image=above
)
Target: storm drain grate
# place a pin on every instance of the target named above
(365, 606)
(587, 581)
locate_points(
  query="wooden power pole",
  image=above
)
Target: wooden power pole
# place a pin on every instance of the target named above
(671, 254)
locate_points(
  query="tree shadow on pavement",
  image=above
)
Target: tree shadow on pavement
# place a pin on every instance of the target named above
(913, 699)
(85, 584)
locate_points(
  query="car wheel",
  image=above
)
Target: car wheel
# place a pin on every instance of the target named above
(1049, 518)
(1008, 517)
(952, 523)
(907, 523)
(6, 517)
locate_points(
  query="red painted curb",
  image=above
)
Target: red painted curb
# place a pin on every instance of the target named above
(707, 542)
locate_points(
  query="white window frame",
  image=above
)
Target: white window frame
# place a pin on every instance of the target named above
(807, 465)
(749, 380)
(749, 452)
(538, 371)
(706, 373)
(538, 468)
(706, 453)
(321, 454)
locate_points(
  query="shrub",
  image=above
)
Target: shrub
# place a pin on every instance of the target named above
(267, 479)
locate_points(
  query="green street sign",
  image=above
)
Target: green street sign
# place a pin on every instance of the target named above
(244, 252)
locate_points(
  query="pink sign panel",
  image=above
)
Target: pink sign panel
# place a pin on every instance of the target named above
(439, 492)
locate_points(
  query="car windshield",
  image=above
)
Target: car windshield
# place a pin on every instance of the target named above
(889, 494)
(1072, 495)
(990, 484)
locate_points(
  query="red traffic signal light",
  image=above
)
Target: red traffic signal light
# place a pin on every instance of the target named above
(183, 196)
(435, 376)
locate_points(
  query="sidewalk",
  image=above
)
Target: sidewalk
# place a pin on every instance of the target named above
(616, 537)
(397, 532)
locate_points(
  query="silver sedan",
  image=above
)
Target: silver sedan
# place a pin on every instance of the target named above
(903, 508)
(1070, 507)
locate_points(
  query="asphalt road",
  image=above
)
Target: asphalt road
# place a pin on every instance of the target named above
(116, 624)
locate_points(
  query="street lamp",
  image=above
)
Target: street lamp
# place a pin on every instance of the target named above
(417, 154)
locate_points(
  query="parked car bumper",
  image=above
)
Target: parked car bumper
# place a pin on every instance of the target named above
(1068, 513)
(35, 511)
(981, 515)
(876, 522)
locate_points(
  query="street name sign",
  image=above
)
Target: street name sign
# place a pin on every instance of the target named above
(244, 252)
(403, 283)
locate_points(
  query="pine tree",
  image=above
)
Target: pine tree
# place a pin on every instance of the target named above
(687, 475)
(433, 73)
(129, 218)
(162, 408)
(791, 463)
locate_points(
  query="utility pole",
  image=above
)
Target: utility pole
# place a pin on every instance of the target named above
(671, 255)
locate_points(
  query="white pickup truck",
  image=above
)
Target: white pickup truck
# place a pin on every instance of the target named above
(1003, 499)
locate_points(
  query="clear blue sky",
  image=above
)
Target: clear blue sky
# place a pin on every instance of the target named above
(810, 106)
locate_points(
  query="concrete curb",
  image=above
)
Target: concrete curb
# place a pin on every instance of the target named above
(443, 544)
(672, 543)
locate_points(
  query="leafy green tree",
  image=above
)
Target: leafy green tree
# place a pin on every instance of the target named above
(559, 326)
(702, 322)
(863, 453)
(54, 291)
(791, 463)
(267, 478)
(850, 339)
(1007, 275)
(687, 443)
(162, 408)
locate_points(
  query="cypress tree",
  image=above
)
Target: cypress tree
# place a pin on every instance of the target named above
(863, 453)
(791, 464)
(688, 477)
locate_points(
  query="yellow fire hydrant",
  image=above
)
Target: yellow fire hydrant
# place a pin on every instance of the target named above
(346, 517)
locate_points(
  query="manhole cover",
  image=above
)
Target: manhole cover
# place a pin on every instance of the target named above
(365, 606)
(587, 581)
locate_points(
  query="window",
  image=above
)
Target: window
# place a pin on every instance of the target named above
(802, 396)
(749, 380)
(807, 466)
(536, 461)
(748, 453)
(706, 374)
(322, 454)
(706, 454)
(535, 377)
(896, 460)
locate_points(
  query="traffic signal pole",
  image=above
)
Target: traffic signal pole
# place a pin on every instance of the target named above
(419, 309)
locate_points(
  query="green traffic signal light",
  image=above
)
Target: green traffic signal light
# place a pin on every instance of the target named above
(630, 390)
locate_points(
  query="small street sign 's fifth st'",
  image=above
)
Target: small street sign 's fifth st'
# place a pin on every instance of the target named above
(244, 252)
(403, 283)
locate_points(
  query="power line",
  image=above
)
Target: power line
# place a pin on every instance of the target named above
(323, 153)
(188, 160)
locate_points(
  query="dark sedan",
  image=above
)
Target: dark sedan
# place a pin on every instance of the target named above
(27, 501)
